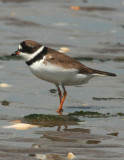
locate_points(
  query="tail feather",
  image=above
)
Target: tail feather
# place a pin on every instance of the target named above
(103, 73)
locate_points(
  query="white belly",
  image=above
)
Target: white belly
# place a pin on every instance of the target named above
(58, 75)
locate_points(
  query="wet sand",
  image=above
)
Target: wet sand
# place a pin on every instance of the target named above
(93, 34)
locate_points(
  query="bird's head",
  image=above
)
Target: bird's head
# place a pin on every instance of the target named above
(28, 49)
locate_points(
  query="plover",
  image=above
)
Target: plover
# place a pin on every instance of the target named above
(55, 67)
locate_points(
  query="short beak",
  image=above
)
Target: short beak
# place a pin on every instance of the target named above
(15, 53)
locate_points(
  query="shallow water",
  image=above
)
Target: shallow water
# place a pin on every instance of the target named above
(96, 38)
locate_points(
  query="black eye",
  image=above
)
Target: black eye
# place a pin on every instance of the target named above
(26, 49)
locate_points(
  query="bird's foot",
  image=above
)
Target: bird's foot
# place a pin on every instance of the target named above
(59, 110)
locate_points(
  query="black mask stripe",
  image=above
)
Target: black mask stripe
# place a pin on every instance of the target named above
(29, 49)
(38, 57)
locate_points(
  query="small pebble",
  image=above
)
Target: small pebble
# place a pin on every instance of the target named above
(113, 134)
(70, 156)
(35, 146)
(4, 85)
(5, 103)
(75, 8)
(53, 90)
(64, 49)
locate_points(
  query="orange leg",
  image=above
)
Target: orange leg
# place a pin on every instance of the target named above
(62, 101)
(59, 93)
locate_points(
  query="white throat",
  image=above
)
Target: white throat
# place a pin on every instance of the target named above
(28, 57)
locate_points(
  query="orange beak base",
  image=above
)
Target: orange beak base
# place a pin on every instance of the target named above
(15, 53)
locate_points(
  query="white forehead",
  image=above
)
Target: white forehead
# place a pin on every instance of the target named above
(20, 47)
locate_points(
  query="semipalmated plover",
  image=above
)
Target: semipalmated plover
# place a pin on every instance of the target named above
(55, 67)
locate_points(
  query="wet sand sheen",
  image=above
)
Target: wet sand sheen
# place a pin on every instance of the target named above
(93, 35)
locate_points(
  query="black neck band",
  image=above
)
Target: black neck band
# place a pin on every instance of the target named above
(38, 57)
